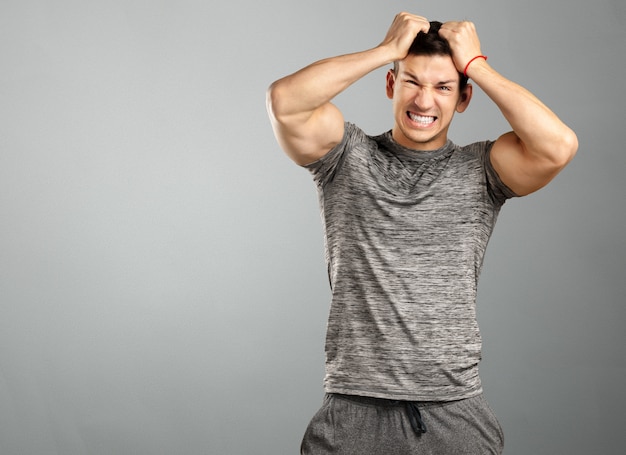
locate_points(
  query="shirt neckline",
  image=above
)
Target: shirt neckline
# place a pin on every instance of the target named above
(415, 155)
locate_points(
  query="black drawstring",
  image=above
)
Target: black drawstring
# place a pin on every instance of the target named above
(415, 417)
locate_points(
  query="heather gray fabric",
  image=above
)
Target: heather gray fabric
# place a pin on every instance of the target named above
(354, 426)
(405, 234)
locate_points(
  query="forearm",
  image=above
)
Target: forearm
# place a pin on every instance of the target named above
(303, 92)
(542, 134)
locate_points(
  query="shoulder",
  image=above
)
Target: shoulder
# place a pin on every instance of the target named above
(355, 145)
(354, 138)
(476, 150)
(479, 155)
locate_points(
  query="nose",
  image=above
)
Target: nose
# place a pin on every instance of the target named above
(424, 98)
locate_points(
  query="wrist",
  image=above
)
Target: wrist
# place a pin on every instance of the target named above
(473, 61)
(388, 53)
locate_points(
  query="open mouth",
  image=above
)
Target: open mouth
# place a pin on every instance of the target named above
(421, 120)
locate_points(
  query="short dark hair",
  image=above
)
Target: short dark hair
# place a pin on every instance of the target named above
(431, 43)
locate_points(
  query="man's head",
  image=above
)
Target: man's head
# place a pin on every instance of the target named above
(432, 43)
(426, 89)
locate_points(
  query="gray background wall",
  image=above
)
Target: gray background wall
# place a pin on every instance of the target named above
(162, 286)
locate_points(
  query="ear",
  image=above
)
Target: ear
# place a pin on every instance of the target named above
(391, 82)
(464, 99)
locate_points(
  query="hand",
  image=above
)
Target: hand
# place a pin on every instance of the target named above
(463, 41)
(402, 33)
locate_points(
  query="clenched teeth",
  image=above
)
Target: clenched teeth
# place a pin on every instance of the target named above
(421, 118)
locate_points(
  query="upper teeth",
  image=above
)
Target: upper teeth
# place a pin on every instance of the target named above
(421, 118)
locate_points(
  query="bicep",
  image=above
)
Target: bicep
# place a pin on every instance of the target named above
(522, 172)
(306, 138)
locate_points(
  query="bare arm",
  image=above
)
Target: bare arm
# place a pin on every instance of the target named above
(540, 145)
(306, 124)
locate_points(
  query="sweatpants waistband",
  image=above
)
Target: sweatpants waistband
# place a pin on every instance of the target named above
(385, 402)
(411, 407)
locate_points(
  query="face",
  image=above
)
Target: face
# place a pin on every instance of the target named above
(425, 94)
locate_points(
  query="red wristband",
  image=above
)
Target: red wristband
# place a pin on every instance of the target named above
(469, 63)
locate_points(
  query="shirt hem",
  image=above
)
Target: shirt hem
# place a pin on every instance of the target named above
(418, 397)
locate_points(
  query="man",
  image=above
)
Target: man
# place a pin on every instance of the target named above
(407, 216)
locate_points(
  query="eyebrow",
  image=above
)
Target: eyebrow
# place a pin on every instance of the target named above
(413, 76)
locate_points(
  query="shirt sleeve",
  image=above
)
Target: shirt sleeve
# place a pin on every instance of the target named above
(498, 191)
(324, 169)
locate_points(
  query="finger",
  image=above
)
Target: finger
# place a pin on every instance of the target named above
(413, 16)
(420, 21)
(449, 27)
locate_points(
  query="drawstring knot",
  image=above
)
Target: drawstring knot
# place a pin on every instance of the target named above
(415, 417)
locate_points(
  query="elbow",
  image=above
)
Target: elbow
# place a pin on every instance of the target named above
(271, 100)
(568, 146)
(559, 151)
(274, 100)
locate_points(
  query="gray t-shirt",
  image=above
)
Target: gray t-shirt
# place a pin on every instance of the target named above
(405, 233)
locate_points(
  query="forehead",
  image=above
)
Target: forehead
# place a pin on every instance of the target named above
(429, 68)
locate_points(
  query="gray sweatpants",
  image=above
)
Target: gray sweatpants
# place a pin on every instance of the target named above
(350, 425)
